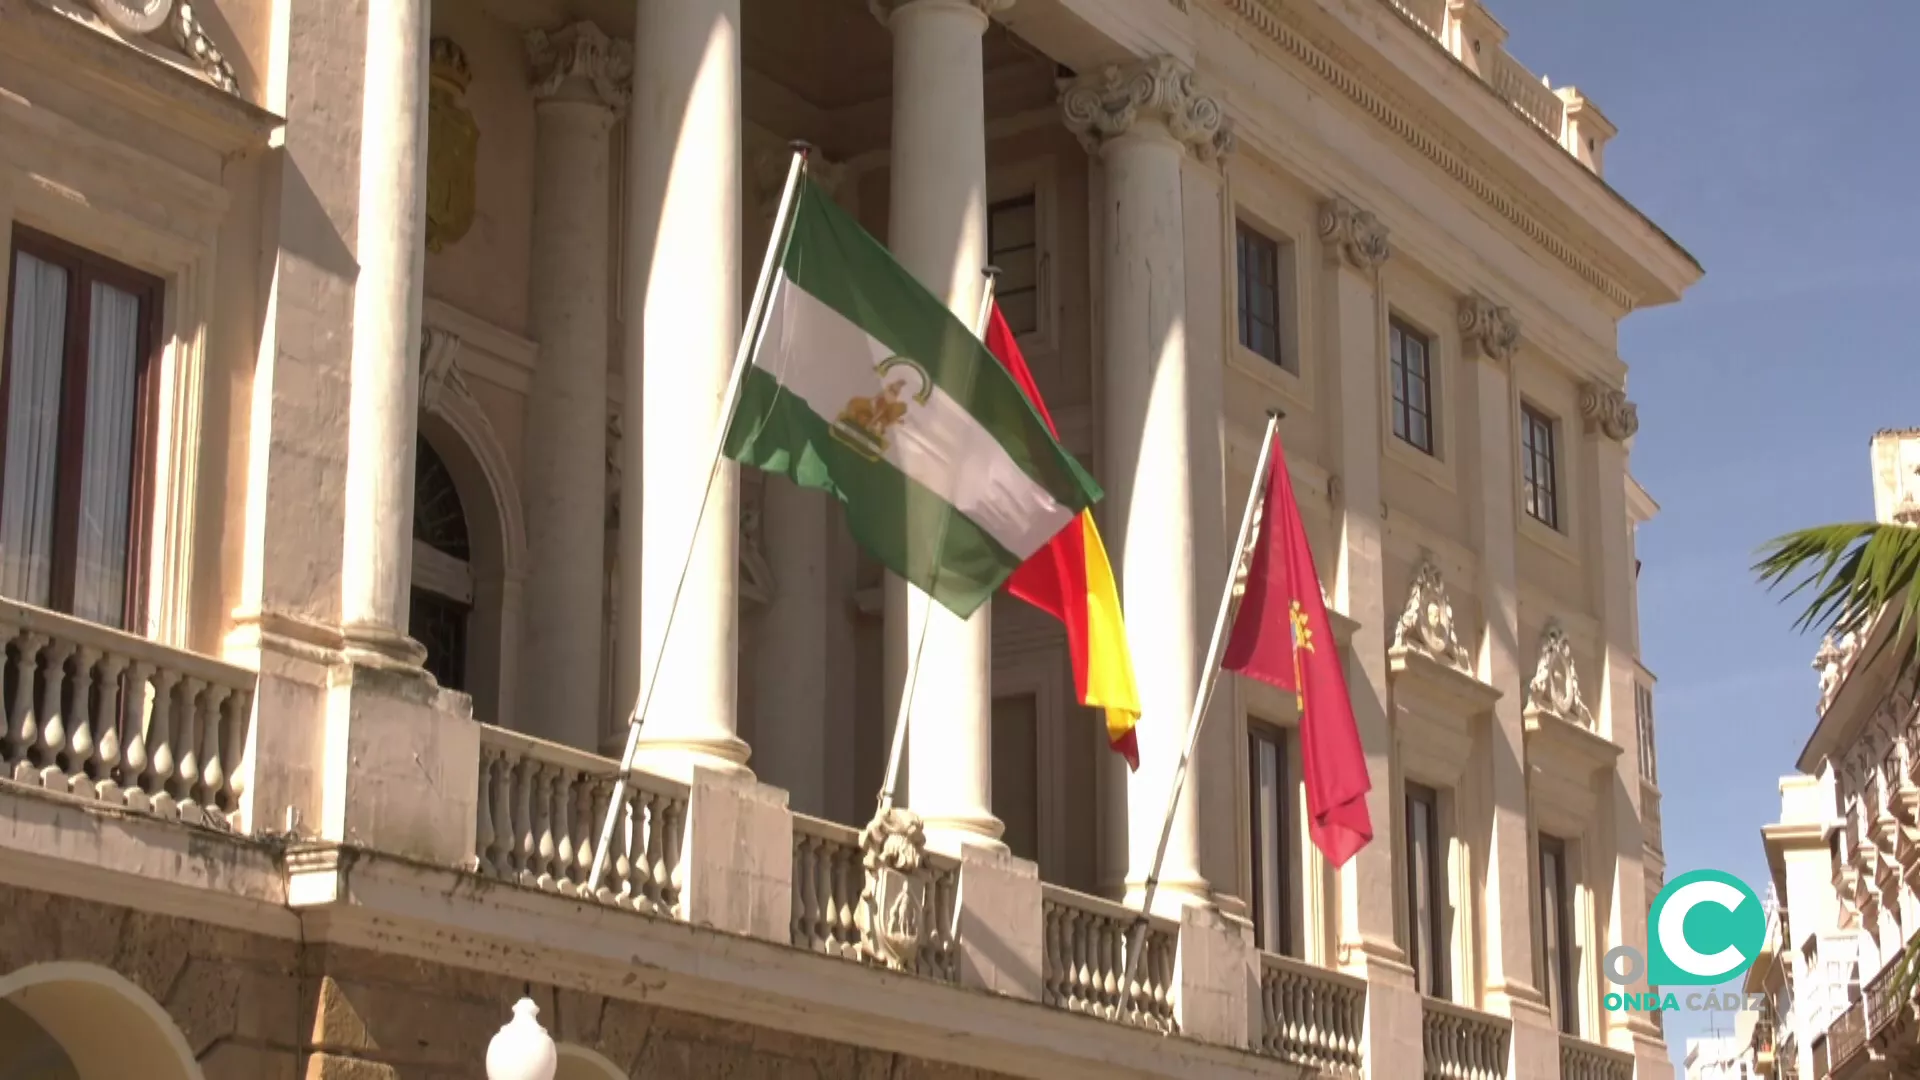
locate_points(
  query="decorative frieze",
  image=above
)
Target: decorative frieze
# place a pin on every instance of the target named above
(1555, 688)
(1487, 330)
(583, 63)
(1426, 626)
(1609, 411)
(1106, 104)
(1355, 234)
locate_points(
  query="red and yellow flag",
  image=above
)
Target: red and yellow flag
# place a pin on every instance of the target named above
(1071, 580)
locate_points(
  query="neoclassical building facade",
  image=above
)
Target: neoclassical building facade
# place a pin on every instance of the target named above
(362, 365)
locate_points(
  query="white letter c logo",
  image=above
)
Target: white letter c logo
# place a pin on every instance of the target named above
(1673, 933)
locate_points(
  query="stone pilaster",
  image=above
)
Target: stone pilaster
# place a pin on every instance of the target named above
(684, 288)
(1142, 120)
(581, 81)
(937, 229)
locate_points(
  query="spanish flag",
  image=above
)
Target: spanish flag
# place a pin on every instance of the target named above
(1071, 580)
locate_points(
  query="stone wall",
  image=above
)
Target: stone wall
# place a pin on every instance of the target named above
(254, 1007)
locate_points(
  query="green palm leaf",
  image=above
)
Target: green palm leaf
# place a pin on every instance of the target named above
(1847, 575)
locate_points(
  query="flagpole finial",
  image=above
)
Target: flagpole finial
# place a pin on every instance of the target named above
(801, 147)
(990, 272)
(1275, 412)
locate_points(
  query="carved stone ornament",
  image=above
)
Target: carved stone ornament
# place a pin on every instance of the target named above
(893, 904)
(453, 146)
(1426, 626)
(1488, 330)
(1555, 688)
(581, 63)
(1829, 661)
(1610, 411)
(1105, 104)
(439, 368)
(140, 18)
(1355, 234)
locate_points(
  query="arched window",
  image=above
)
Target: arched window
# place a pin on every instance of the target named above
(442, 600)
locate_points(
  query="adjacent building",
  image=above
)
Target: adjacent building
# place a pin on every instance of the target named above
(363, 364)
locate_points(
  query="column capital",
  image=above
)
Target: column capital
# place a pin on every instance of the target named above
(579, 62)
(1356, 235)
(884, 9)
(1488, 331)
(1106, 104)
(1609, 412)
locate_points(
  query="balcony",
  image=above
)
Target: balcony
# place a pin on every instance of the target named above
(1462, 1043)
(1582, 1060)
(1312, 1016)
(1847, 1037)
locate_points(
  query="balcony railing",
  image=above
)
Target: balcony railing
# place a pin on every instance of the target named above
(1086, 960)
(108, 716)
(1312, 1016)
(539, 814)
(1525, 91)
(1847, 1036)
(1582, 1060)
(1463, 1043)
(1431, 15)
(830, 913)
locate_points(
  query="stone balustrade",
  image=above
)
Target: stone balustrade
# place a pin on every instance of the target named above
(1431, 15)
(108, 716)
(1526, 92)
(539, 813)
(830, 891)
(1582, 1060)
(1085, 960)
(1312, 1016)
(1462, 1043)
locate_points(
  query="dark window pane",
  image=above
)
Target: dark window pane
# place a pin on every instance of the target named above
(1016, 776)
(1271, 795)
(440, 623)
(1258, 277)
(439, 521)
(1013, 246)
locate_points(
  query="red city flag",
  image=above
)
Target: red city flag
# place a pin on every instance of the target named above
(1282, 638)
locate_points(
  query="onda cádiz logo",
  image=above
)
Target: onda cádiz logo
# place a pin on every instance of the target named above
(1706, 927)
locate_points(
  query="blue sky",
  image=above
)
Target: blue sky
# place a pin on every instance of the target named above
(1776, 142)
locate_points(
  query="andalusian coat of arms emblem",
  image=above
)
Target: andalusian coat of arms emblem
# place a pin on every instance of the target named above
(453, 143)
(864, 422)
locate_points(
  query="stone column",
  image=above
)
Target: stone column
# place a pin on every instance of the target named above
(937, 228)
(1353, 246)
(1609, 421)
(683, 319)
(383, 396)
(1142, 120)
(1489, 337)
(579, 85)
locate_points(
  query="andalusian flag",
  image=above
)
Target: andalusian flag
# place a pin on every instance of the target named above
(1071, 580)
(864, 385)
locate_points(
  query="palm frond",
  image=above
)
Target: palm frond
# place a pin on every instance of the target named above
(1850, 573)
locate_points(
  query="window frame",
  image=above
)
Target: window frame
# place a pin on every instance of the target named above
(1279, 850)
(1029, 197)
(1437, 982)
(85, 268)
(1534, 492)
(1274, 288)
(1559, 943)
(1401, 409)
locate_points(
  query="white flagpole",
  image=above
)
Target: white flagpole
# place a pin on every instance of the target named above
(1203, 696)
(742, 356)
(899, 748)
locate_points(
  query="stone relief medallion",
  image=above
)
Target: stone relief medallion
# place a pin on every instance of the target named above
(453, 142)
(133, 16)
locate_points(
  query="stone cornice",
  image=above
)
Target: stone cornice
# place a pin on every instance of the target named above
(582, 56)
(1609, 410)
(1282, 27)
(1487, 330)
(1355, 234)
(1106, 104)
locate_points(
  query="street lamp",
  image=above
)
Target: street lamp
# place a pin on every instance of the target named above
(522, 1049)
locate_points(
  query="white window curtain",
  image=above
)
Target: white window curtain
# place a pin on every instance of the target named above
(33, 430)
(100, 548)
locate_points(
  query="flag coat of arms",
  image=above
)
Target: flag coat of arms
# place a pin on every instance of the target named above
(865, 386)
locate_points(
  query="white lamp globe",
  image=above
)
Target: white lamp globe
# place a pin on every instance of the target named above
(522, 1050)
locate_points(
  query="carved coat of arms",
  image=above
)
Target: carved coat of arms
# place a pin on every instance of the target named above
(453, 142)
(864, 422)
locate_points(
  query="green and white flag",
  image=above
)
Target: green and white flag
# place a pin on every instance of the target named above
(865, 386)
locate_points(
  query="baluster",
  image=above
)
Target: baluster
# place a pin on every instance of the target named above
(77, 761)
(22, 728)
(526, 775)
(498, 795)
(186, 781)
(483, 831)
(654, 860)
(639, 871)
(544, 776)
(239, 767)
(213, 770)
(53, 727)
(797, 920)
(157, 780)
(674, 874)
(1077, 974)
(625, 835)
(599, 795)
(561, 872)
(108, 720)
